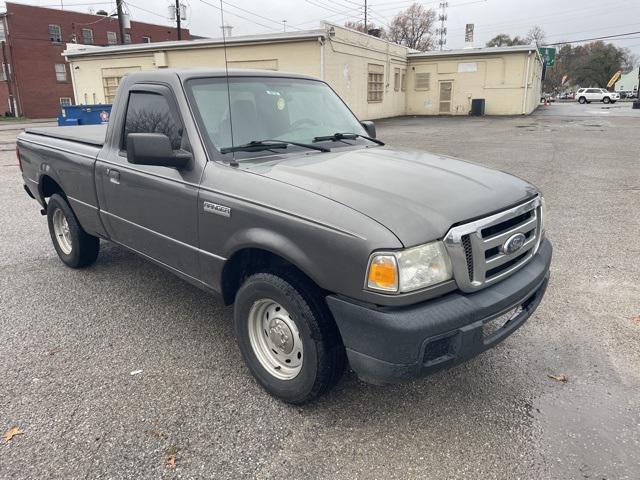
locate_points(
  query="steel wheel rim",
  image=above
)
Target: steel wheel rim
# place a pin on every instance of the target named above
(61, 231)
(275, 339)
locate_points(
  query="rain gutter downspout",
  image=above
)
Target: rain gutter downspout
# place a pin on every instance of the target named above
(526, 84)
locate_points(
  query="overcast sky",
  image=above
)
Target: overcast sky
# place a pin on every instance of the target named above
(561, 19)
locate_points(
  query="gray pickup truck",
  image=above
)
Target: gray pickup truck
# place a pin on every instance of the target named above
(264, 188)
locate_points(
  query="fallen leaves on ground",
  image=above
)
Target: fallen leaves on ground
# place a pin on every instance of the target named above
(171, 457)
(8, 436)
(559, 378)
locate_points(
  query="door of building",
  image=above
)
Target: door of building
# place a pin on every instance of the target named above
(446, 89)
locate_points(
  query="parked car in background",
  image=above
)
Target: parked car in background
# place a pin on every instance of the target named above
(588, 95)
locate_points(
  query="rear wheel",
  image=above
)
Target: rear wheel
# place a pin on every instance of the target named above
(75, 247)
(582, 100)
(287, 336)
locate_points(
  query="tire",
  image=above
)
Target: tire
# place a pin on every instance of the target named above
(606, 100)
(582, 100)
(75, 247)
(270, 312)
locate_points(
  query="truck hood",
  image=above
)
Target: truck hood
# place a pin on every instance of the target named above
(416, 195)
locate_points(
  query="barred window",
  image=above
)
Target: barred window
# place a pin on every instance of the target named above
(65, 101)
(403, 80)
(112, 39)
(396, 79)
(375, 83)
(127, 38)
(423, 81)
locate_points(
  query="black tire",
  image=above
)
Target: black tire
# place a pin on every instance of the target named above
(324, 357)
(582, 100)
(84, 247)
(606, 100)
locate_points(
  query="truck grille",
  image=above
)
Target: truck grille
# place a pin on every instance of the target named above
(478, 249)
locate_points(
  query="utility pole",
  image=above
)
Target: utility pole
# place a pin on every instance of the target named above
(284, 25)
(120, 20)
(366, 30)
(178, 14)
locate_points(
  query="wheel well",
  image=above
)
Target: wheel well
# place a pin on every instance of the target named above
(48, 186)
(248, 261)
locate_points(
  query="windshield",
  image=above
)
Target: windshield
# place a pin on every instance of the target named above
(263, 108)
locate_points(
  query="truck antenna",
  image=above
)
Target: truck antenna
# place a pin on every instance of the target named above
(233, 162)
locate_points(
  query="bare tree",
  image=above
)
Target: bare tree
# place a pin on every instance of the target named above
(371, 28)
(536, 35)
(413, 27)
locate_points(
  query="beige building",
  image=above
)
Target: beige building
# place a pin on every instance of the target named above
(376, 78)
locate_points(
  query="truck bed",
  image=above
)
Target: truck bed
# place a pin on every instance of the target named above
(87, 134)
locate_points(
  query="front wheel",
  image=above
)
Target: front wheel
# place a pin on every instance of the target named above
(287, 336)
(582, 100)
(75, 247)
(606, 100)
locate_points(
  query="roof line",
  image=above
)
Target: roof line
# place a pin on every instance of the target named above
(178, 44)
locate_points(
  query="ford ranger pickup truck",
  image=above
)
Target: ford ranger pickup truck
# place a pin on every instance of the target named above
(264, 188)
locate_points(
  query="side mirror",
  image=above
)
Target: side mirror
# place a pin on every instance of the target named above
(370, 127)
(154, 149)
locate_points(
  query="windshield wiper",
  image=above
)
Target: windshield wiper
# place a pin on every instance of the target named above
(259, 145)
(347, 136)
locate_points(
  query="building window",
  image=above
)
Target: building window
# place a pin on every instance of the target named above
(112, 39)
(127, 38)
(55, 33)
(61, 72)
(403, 80)
(2, 30)
(110, 85)
(396, 79)
(87, 36)
(423, 81)
(3, 73)
(65, 101)
(375, 83)
(146, 39)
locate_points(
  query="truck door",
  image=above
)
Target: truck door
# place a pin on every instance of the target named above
(152, 209)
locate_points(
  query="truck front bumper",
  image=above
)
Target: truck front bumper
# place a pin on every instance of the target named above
(391, 344)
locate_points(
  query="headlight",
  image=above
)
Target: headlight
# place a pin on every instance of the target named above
(410, 269)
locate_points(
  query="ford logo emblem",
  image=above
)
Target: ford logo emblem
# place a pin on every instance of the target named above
(514, 243)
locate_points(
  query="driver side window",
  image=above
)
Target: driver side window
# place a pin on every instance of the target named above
(149, 112)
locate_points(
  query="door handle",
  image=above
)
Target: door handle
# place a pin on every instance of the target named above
(114, 175)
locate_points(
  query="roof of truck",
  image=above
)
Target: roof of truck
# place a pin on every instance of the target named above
(189, 73)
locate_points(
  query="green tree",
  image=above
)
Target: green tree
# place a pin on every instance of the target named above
(589, 65)
(504, 40)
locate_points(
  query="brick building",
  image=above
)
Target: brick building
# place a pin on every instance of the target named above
(35, 79)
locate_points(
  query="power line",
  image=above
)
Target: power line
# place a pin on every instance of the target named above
(240, 16)
(595, 38)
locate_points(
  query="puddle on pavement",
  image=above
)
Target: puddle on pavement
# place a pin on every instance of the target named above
(590, 431)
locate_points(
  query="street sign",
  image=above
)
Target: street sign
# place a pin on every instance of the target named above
(548, 55)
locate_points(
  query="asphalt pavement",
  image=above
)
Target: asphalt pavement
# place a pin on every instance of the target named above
(118, 370)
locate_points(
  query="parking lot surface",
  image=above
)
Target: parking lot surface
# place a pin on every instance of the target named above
(70, 342)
